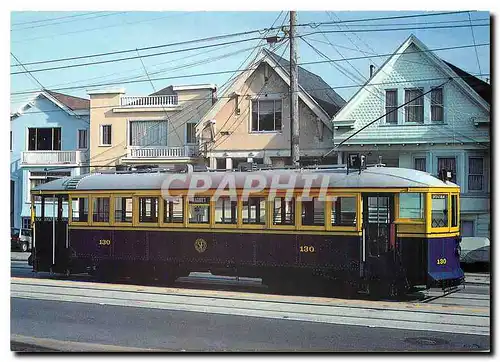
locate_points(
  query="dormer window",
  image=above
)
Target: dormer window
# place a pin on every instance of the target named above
(414, 111)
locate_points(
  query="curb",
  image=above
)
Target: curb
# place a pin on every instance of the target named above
(54, 345)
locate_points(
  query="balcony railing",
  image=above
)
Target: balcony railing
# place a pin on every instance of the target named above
(150, 101)
(162, 152)
(53, 157)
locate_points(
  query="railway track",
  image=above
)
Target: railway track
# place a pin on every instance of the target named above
(385, 314)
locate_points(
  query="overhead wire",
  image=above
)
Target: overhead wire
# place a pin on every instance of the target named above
(96, 85)
(70, 21)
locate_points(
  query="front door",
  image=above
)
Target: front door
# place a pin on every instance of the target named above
(379, 235)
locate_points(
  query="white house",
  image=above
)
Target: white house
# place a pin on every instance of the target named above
(448, 127)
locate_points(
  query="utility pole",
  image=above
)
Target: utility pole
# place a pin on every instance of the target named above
(294, 95)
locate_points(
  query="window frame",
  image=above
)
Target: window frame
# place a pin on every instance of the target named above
(407, 107)
(441, 105)
(328, 212)
(266, 210)
(299, 210)
(388, 108)
(271, 203)
(163, 202)
(156, 120)
(101, 135)
(454, 157)
(70, 208)
(420, 158)
(261, 99)
(136, 215)
(211, 212)
(438, 229)
(86, 139)
(122, 223)
(91, 209)
(186, 139)
(36, 138)
(469, 174)
(397, 212)
(238, 213)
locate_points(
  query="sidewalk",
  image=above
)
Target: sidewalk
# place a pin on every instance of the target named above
(477, 278)
(19, 256)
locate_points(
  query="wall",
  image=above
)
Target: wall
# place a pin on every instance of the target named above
(242, 139)
(43, 113)
(105, 109)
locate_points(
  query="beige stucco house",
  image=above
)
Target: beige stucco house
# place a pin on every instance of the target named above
(250, 122)
(156, 129)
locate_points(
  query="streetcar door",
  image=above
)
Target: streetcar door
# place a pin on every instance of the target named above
(378, 234)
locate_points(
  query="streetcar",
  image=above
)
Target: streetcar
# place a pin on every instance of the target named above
(381, 230)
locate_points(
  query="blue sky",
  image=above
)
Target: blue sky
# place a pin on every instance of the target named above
(112, 31)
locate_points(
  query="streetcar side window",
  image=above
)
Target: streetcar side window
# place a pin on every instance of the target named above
(199, 210)
(100, 209)
(344, 211)
(148, 209)
(80, 209)
(173, 210)
(411, 205)
(123, 209)
(226, 211)
(439, 217)
(454, 211)
(313, 212)
(284, 211)
(254, 211)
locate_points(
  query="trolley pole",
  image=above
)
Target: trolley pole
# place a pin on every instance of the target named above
(294, 95)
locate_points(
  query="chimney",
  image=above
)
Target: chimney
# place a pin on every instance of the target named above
(372, 70)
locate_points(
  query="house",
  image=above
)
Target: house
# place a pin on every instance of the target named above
(157, 129)
(250, 122)
(48, 140)
(448, 128)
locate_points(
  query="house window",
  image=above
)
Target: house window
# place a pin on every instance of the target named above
(454, 211)
(475, 173)
(448, 164)
(100, 211)
(266, 115)
(466, 228)
(226, 211)
(173, 210)
(419, 164)
(220, 163)
(44, 139)
(105, 135)
(80, 209)
(414, 111)
(82, 138)
(391, 103)
(439, 216)
(344, 211)
(254, 211)
(148, 133)
(199, 210)
(437, 114)
(191, 133)
(11, 140)
(123, 209)
(284, 211)
(26, 224)
(313, 212)
(148, 209)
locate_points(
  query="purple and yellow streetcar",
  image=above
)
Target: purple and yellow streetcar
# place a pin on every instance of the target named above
(381, 230)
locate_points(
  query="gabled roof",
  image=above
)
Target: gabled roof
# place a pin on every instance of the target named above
(481, 87)
(322, 93)
(313, 90)
(74, 106)
(464, 81)
(72, 102)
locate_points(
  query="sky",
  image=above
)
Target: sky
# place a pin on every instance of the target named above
(33, 38)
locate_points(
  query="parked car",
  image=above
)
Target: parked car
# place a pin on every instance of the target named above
(475, 250)
(20, 239)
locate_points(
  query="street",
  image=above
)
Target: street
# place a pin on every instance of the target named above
(208, 313)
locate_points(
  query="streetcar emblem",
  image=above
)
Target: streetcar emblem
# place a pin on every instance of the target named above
(200, 245)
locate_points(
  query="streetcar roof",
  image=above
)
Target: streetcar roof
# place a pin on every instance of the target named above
(372, 177)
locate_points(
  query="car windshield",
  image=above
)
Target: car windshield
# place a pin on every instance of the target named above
(14, 232)
(26, 232)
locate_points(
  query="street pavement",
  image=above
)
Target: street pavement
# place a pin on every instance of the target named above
(208, 313)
